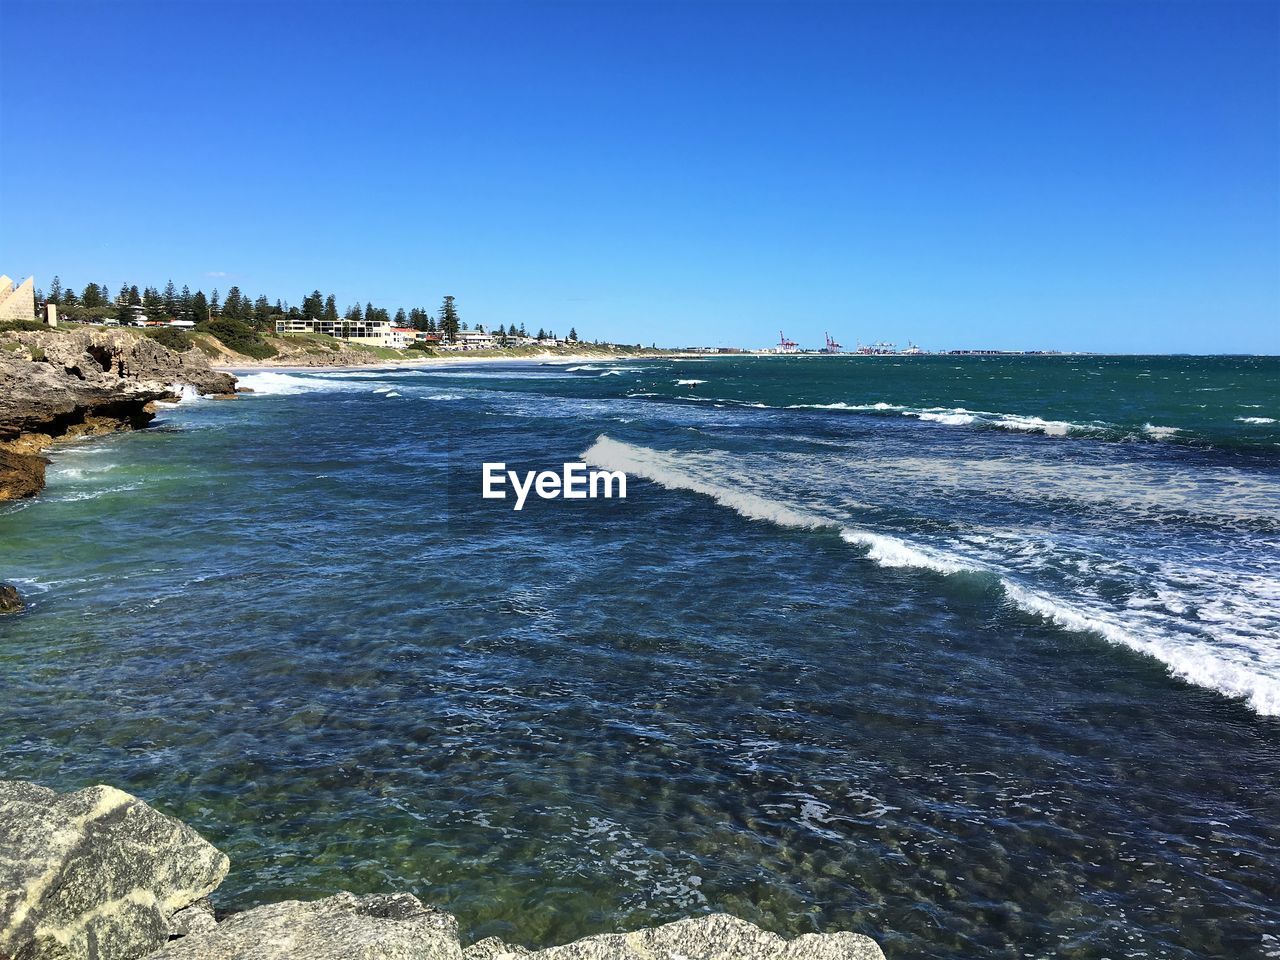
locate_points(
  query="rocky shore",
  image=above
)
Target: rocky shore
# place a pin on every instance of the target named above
(59, 385)
(99, 875)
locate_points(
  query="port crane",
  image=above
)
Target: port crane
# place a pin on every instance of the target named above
(785, 345)
(832, 346)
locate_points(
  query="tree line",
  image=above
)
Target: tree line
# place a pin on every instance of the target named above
(95, 303)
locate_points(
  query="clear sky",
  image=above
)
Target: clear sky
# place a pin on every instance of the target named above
(1079, 175)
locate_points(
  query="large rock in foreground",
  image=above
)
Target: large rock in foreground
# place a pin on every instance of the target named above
(94, 875)
(342, 927)
(714, 937)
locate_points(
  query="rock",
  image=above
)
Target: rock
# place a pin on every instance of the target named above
(490, 948)
(197, 918)
(87, 383)
(94, 875)
(342, 927)
(10, 599)
(717, 936)
(21, 475)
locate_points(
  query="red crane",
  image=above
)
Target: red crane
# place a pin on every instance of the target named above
(785, 345)
(832, 346)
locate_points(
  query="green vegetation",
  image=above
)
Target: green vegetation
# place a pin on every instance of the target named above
(173, 338)
(7, 326)
(239, 336)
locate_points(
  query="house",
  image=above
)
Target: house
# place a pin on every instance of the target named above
(474, 340)
(401, 337)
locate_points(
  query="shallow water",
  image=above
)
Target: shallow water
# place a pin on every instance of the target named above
(976, 655)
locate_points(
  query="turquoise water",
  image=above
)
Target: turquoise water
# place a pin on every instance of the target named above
(979, 656)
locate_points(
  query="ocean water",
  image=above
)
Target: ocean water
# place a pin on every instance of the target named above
(979, 656)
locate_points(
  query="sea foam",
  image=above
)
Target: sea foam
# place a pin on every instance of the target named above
(1247, 667)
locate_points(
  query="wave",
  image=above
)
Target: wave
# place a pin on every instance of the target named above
(271, 384)
(689, 383)
(1232, 672)
(1255, 420)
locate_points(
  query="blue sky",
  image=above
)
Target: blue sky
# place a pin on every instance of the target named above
(1100, 176)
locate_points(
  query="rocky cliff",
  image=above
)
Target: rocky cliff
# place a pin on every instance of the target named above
(56, 385)
(99, 875)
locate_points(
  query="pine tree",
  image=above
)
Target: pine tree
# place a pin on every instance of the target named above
(542, 334)
(214, 307)
(185, 305)
(331, 309)
(402, 319)
(449, 319)
(234, 305)
(91, 298)
(573, 334)
(199, 307)
(170, 299)
(69, 298)
(55, 291)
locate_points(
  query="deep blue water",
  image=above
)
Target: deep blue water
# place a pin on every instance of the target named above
(978, 656)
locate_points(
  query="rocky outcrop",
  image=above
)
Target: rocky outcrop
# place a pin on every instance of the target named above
(99, 875)
(717, 936)
(94, 875)
(78, 383)
(10, 599)
(342, 927)
(125, 356)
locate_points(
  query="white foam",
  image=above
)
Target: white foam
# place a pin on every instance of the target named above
(1159, 432)
(1257, 420)
(1223, 639)
(689, 383)
(271, 384)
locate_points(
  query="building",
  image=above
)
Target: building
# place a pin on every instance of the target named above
(474, 340)
(17, 303)
(373, 332)
(401, 337)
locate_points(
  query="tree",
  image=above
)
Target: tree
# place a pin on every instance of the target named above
(214, 308)
(55, 291)
(313, 305)
(92, 296)
(199, 307)
(170, 299)
(331, 309)
(234, 305)
(152, 304)
(262, 311)
(573, 334)
(185, 304)
(401, 319)
(69, 298)
(449, 318)
(542, 334)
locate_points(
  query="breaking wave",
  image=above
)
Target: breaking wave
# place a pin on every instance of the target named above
(1236, 670)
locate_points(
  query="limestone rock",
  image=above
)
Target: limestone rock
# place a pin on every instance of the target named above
(491, 948)
(717, 936)
(21, 475)
(95, 874)
(197, 918)
(341, 927)
(10, 599)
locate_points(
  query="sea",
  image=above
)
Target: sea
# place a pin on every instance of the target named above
(977, 655)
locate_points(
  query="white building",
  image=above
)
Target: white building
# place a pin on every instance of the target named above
(373, 332)
(475, 340)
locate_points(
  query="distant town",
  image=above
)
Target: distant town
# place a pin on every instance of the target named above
(239, 323)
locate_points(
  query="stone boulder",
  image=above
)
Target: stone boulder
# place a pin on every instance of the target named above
(341, 927)
(717, 936)
(94, 875)
(10, 599)
(21, 475)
